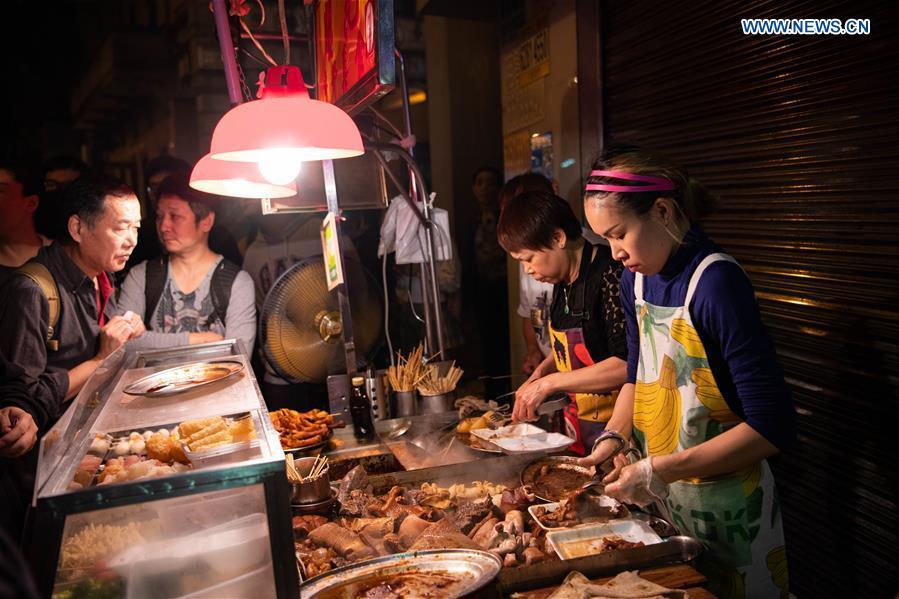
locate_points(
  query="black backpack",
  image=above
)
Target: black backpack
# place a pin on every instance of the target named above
(220, 287)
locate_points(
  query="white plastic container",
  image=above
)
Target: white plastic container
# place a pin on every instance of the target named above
(523, 438)
(572, 543)
(544, 442)
(512, 430)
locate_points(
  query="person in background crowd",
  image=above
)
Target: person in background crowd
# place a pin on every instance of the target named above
(15, 576)
(192, 295)
(62, 170)
(491, 296)
(58, 172)
(19, 241)
(19, 422)
(148, 244)
(705, 398)
(586, 323)
(102, 218)
(533, 296)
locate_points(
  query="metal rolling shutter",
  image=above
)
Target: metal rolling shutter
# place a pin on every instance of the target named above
(798, 136)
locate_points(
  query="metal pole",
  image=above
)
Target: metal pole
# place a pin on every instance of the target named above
(343, 299)
(226, 46)
(417, 184)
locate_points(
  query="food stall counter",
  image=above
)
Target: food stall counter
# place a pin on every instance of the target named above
(165, 478)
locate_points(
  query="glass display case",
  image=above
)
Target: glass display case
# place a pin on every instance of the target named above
(164, 494)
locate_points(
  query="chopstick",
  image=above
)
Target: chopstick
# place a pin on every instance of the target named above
(408, 371)
(292, 474)
(318, 468)
(434, 384)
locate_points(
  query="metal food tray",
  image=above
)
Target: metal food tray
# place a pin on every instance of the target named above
(474, 568)
(169, 383)
(225, 453)
(528, 474)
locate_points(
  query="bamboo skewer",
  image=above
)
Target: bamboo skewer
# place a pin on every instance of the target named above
(408, 371)
(434, 384)
(318, 468)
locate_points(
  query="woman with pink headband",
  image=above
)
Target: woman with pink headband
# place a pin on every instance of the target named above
(705, 398)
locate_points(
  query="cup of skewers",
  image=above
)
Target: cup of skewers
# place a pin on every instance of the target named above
(309, 479)
(403, 375)
(437, 391)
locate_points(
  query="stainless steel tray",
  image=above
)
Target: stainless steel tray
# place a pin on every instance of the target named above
(184, 378)
(472, 570)
(543, 574)
(530, 472)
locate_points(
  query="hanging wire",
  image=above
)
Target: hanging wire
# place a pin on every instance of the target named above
(254, 57)
(262, 11)
(257, 44)
(386, 121)
(387, 307)
(282, 16)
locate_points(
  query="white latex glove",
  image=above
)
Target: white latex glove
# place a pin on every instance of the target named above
(638, 484)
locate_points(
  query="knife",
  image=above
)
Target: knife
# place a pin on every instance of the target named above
(555, 403)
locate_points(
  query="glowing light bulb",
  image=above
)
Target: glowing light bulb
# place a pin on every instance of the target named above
(280, 167)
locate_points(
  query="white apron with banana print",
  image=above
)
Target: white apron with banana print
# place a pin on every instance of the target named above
(677, 405)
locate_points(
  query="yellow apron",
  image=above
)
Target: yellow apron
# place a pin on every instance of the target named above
(678, 405)
(586, 415)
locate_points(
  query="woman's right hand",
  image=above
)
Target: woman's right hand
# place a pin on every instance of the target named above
(601, 453)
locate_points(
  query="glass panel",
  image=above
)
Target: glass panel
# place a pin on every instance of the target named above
(70, 428)
(207, 545)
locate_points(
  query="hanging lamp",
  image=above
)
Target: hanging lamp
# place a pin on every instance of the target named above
(284, 128)
(236, 179)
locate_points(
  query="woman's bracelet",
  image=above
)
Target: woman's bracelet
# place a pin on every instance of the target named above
(610, 434)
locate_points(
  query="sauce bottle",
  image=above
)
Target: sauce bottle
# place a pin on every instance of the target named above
(360, 410)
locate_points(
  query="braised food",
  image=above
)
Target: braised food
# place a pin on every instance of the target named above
(302, 429)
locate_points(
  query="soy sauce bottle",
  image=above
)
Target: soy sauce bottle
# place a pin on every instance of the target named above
(360, 410)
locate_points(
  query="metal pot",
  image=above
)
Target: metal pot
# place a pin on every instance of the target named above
(436, 404)
(404, 404)
(315, 490)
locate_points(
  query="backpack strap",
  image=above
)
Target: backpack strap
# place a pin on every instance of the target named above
(154, 282)
(42, 277)
(220, 289)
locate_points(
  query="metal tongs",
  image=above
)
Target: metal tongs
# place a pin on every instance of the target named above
(596, 484)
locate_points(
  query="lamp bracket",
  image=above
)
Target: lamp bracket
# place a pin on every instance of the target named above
(282, 81)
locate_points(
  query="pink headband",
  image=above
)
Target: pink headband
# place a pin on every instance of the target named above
(655, 183)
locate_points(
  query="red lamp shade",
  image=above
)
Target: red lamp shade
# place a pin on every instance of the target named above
(284, 128)
(236, 179)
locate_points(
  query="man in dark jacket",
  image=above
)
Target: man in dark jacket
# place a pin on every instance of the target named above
(101, 220)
